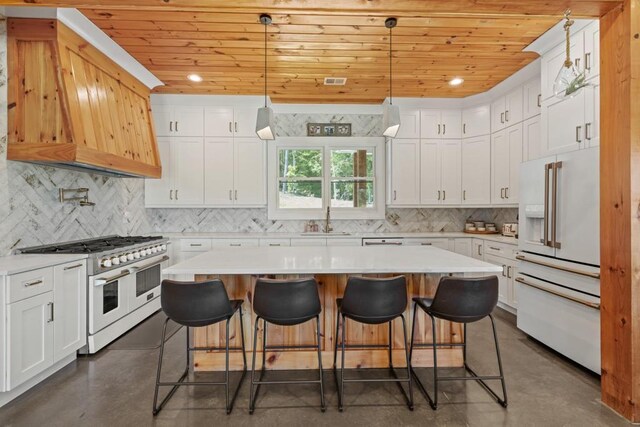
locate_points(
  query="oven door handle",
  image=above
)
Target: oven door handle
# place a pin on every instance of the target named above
(107, 280)
(589, 304)
(151, 264)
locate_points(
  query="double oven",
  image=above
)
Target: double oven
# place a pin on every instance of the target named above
(120, 298)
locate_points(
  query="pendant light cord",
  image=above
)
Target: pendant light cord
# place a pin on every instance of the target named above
(390, 67)
(567, 25)
(265, 65)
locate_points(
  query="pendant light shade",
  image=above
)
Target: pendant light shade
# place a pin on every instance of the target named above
(391, 120)
(391, 112)
(570, 79)
(264, 122)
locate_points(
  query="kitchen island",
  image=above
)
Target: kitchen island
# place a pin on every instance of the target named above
(239, 267)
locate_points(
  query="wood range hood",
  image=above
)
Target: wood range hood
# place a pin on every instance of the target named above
(71, 106)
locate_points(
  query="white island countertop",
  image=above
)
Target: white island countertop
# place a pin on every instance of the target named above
(330, 260)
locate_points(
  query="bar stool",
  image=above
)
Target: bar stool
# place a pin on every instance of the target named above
(284, 303)
(460, 300)
(373, 301)
(196, 304)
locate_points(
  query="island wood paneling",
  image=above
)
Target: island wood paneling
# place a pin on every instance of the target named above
(330, 287)
(69, 103)
(620, 207)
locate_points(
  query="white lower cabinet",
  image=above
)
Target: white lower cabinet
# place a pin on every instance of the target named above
(463, 247)
(441, 243)
(30, 338)
(43, 329)
(234, 242)
(477, 249)
(507, 285)
(69, 309)
(308, 242)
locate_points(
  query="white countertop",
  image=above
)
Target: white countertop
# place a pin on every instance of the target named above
(330, 260)
(357, 235)
(13, 264)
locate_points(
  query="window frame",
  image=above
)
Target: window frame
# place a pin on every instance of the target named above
(326, 144)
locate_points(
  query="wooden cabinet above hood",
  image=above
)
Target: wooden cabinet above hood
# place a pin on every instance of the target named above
(71, 106)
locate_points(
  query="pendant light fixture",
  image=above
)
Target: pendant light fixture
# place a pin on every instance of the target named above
(569, 79)
(391, 112)
(264, 123)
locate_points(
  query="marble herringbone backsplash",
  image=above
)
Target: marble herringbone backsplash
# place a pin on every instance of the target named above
(30, 213)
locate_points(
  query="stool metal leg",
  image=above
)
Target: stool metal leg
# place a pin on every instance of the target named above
(406, 351)
(390, 345)
(323, 406)
(341, 389)
(432, 402)
(156, 407)
(335, 339)
(253, 368)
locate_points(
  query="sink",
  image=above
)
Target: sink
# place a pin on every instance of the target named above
(320, 233)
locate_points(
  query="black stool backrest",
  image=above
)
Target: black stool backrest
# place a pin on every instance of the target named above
(374, 300)
(464, 300)
(286, 302)
(195, 303)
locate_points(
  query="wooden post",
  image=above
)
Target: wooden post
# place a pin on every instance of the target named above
(620, 208)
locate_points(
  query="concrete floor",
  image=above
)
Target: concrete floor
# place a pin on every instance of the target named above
(115, 388)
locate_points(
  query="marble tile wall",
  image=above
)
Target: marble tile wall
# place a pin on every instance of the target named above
(30, 213)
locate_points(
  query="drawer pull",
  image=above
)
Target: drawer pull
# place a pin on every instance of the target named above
(195, 244)
(426, 244)
(275, 244)
(593, 305)
(73, 267)
(35, 282)
(558, 267)
(235, 244)
(494, 248)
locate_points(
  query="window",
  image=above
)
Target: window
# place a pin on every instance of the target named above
(307, 175)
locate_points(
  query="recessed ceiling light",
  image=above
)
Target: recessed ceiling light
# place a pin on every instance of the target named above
(194, 78)
(456, 81)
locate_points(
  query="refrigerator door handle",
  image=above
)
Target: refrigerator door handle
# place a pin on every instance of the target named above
(558, 267)
(554, 207)
(545, 220)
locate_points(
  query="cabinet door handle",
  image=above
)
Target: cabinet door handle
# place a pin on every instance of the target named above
(587, 131)
(236, 126)
(170, 194)
(176, 194)
(438, 194)
(578, 131)
(464, 194)
(73, 267)
(464, 128)
(539, 100)
(171, 126)
(438, 128)
(587, 61)
(230, 197)
(502, 193)
(444, 195)
(230, 130)
(35, 282)
(236, 194)
(502, 117)
(394, 194)
(577, 62)
(506, 192)
(176, 126)
(504, 268)
(509, 271)
(444, 129)
(506, 116)
(50, 306)
(479, 247)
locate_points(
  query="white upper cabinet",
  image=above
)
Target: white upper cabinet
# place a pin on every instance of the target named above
(507, 110)
(440, 174)
(218, 121)
(235, 172)
(476, 171)
(182, 181)
(230, 121)
(430, 188)
(592, 113)
(476, 121)
(178, 120)
(532, 98)
(506, 156)
(563, 122)
(445, 124)
(592, 50)
(405, 172)
(531, 139)
(409, 123)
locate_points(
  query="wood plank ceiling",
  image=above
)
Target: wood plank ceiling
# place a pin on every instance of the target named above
(478, 40)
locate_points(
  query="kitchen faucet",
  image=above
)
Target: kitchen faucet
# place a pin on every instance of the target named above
(327, 221)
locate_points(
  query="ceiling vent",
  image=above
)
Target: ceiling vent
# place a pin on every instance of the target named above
(335, 81)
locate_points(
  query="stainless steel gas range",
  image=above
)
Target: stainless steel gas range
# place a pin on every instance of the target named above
(124, 275)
